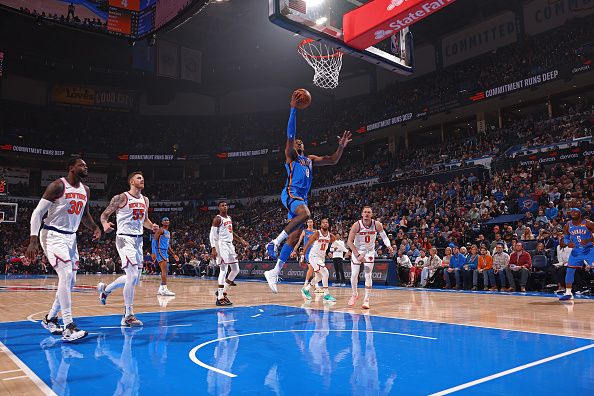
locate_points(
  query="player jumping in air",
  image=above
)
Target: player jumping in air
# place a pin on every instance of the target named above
(578, 235)
(65, 200)
(294, 196)
(317, 246)
(362, 244)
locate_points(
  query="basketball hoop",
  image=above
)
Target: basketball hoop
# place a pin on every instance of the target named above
(325, 60)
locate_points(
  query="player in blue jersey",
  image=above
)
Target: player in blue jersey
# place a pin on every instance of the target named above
(304, 237)
(161, 249)
(579, 237)
(294, 195)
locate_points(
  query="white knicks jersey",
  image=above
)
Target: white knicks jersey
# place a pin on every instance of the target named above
(225, 230)
(365, 238)
(67, 211)
(321, 245)
(130, 217)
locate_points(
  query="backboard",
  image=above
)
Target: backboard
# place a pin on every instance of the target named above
(8, 212)
(323, 20)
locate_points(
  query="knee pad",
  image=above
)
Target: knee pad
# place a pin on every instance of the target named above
(570, 275)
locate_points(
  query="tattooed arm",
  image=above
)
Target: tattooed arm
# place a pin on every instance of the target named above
(115, 203)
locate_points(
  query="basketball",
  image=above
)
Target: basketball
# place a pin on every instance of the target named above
(305, 100)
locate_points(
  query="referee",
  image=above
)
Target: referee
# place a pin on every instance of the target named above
(338, 250)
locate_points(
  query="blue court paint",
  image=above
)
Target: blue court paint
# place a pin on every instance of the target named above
(285, 351)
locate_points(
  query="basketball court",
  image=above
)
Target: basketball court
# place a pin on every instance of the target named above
(273, 344)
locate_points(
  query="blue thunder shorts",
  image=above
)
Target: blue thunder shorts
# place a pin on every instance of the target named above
(162, 256)
(292, 203)
(578, 255)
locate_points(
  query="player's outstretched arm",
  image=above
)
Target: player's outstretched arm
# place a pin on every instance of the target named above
(290, 153)
(52, 192)
(88, 220)
(116, 202)
(334, 158)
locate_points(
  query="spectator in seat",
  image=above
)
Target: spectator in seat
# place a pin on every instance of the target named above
(485, 267)
(432, 266)
(415, 272)
(500, 265)
(520, 264)
(403, 265)
(471, 266)
(496, 241)
(541, 220)
(527, 235)
(457, 261)
(551, 212)
(560, 266)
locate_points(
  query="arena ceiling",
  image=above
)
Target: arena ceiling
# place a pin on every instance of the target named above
(242, 49)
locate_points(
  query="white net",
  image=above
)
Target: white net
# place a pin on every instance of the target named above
(325, 60)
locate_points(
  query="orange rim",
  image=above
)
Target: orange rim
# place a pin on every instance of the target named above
(305, 53)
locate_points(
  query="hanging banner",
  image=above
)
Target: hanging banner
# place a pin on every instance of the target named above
(487, 36)
(167, 59)
(543, 15)
(191, 65)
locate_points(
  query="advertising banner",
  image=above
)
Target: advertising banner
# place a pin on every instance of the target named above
(32, 150)
(78, 95)
(528, 81)
(296, 271)
(566, 155)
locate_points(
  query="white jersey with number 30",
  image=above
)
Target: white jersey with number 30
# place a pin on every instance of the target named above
(67, 211)
(130, 217)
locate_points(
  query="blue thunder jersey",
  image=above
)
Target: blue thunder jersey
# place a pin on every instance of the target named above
(577, 233)
(163, 246)
(306, 237)
(153, 244)
(299, 177)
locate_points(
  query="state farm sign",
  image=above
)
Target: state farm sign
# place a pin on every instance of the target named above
(375, 21)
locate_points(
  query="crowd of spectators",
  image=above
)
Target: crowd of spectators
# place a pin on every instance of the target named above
(439, 230)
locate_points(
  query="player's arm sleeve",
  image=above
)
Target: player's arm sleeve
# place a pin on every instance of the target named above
(292, 126)
(385, 238)
(214, 237)
(37, 216)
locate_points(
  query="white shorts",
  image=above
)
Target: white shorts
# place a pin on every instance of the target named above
(130, 250)
(316, 262)
(369, 257)
(59, 247)
(226, 254)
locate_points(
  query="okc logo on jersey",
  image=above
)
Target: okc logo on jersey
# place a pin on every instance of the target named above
(304, 161)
